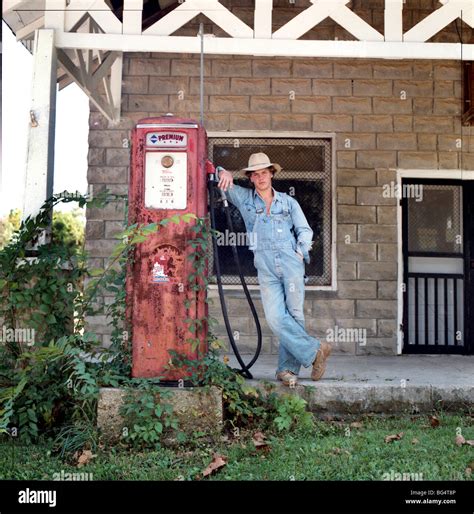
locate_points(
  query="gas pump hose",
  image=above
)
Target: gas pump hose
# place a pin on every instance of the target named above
(212, 186)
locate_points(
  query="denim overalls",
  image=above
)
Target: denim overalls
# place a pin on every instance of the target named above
(280, 270)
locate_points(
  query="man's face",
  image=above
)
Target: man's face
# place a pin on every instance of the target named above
(262, 179)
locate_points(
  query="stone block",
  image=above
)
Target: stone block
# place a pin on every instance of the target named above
(372, 87)
(196, 409)
(398, 141)
(346, 159)
(433, 124)
(356, 214)
(387, 289)
(150, 103)
(229, 104)
(250, 121)
(392, 70)
(354, 177)
(270, 104)
(346, 270)
(373, 196)
(312, 68)
(423, 160)
(332, 87)
(413, 88)
(146, 67)
(346, 195)
(352, 105)
(249, 86)
(311, 104)
(355, 141)
(377, 270)
(231, 68)
(373, 123)
(333, 308)
(271, 68)
(284, 86)
(332, 123)
(392, 105)
(377, 233)
(387, 252)
(356, 289)
(169, 85)
(359, 70)
(376, 159)
(107, 175)
(291, 122)
(356, 252)
(94, 229)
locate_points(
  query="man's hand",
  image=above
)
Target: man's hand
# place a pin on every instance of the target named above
(226, 180)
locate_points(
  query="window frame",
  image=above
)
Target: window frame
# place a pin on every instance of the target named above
(258, 134)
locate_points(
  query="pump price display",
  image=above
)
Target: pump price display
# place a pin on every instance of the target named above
(166, 180)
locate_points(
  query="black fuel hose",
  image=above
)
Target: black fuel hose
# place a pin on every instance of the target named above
(212, 187)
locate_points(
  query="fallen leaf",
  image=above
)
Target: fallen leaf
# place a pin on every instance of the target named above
(459, 440)
(393, 437)
(225, 359)
(434, 421)
(470, 442)
(357, 424)
(468, 472)
(218, 462)
(84, 458)
(414, 441)
(259, 439)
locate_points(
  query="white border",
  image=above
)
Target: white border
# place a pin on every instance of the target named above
(431, 174)
(296, 135)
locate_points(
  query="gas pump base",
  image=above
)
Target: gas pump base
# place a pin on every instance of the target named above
(195, 409)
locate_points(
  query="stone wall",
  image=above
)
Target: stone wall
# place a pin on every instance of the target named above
(386, 115)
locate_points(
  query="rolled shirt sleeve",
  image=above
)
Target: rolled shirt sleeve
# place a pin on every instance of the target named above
(304, 233)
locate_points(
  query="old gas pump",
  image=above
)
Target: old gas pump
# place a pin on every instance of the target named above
(167, 177)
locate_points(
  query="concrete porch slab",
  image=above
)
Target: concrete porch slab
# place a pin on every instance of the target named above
(392, 384)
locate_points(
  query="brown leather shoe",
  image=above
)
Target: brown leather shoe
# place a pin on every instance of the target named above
(287, 377)
(319, 364)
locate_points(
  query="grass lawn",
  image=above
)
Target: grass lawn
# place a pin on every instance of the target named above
(333, 450)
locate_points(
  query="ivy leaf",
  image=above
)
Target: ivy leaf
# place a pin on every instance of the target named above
(51, 320)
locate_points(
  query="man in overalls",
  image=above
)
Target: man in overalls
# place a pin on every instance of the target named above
(269, 217)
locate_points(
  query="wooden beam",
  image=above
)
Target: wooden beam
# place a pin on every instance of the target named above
(265, 47)
(393, 20)
(263, 19)
(40, 153)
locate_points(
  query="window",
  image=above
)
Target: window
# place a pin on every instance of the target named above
(306, 175)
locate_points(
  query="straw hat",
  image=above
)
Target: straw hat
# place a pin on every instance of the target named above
(259, 161)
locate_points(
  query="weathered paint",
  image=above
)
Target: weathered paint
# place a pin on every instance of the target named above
(155, 304)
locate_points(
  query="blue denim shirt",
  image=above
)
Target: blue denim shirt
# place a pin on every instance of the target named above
(250, 203)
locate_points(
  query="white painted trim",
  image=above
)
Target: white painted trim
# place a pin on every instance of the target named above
(393, 20)
(248, 134)
(456, 174)
(39, 174)
(405, 173)
(263, 19)
(266, 47)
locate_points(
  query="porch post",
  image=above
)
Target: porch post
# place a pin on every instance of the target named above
(40, 152)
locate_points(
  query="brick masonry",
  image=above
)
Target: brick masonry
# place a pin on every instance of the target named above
(385, 115)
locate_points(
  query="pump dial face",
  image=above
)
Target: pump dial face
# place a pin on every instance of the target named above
(167, 161)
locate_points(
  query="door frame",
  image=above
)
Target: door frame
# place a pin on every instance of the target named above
(433, 176)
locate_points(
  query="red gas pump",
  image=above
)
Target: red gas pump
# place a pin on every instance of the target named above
(167, 177)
